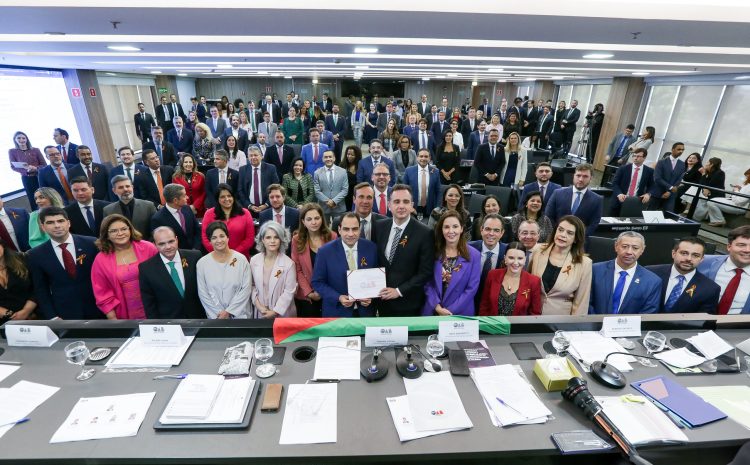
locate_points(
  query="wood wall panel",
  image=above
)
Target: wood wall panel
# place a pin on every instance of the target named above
(623, 104)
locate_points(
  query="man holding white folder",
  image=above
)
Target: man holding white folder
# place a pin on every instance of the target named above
(335, 261)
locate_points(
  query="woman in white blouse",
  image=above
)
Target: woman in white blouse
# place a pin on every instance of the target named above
(273, 274)
(458, 138)
(732, 204)
(644, 142)
(223, 277)
(237, 158)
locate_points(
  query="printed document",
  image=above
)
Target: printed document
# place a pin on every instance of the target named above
(435, 404)
(510, 398)
(401, 414)
(310, 414)
(18, 401)
(640, 420)
(338, 358)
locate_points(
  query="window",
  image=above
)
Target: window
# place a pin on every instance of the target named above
(729, 137)
(658, 112)
(692, 118)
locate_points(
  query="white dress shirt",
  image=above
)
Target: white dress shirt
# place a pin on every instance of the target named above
(724, 275)
(495, 254)
(58, 252)
(575, 195)
(175, 214)
(9, 226)
(177, 265)
(82, 207)
(673, 281)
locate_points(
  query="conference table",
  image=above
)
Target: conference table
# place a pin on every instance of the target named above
(365, 431)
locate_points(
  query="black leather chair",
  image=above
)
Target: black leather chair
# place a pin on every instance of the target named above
(504, 195)
(475, 203)
(601, 249)
(632, 207)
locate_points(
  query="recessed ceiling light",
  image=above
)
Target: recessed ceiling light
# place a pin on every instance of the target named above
(440, 77)
(262, 72)
(362, 67)
(314, 81)
(453, 75)
(557, 77)
(287, 77)
(425, 79)
(640, 74)
(124, 48)
(155, 72)
(365, 50)
(531, 79)
(598, 56)
(223, 66)
(182, 74)
(495, 70)
(474, 83)
(110, 74)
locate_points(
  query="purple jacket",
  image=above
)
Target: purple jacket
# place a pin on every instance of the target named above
(459, 296)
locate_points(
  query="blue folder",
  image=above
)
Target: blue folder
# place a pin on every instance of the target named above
(690, 407)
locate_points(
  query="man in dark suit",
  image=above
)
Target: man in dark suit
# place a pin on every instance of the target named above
(622, 285)
(176, 108)
(55, 175)
(530, 122)
(86, 213)
(281, 156)
(568, 124)
(240, 134)
(273, 109)
(254, 118)
(164, 114)
(201, 111)
(684, 289)
(290, 103)
(128, 167)
(364, 196)
(632, 180)
(667, 176)
(406, 248)
(326, 104)
(490, 160)
(168, 280)
(432, 117)
(149, 183)
(439, 127)
(367, 165)
(255, 177)
(138, 211)
(577, 200)
(617, 150)
(337, 125)
(386, 116)
(469, 125)
(220, 173)
(347, 253)
(14, 227)
(178, 216)
(423, 139)
(180, 137)
(519, 110)
(65, 146)
(143, 123)
(491, 249)
(286, 216)
(164, 150)
(96, 173)
(486, 109)
(426, 194)
(61, 270)
(543, 127)
(476, 139)
(423, 107)
(543, 185)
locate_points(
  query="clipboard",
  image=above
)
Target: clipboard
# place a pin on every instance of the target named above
(690, 407)
(244, 424)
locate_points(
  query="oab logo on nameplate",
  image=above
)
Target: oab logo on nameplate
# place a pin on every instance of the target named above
(383, 336)
(621, 326)
(162, 335)
(458, 330)
(29, 336)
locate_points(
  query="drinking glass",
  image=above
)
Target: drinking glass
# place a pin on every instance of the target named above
(435, 346)
(77, 353)
(560, 342)
(654, 342)
(264, 351)
(747, 364)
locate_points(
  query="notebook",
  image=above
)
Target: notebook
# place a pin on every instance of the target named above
(691, 408)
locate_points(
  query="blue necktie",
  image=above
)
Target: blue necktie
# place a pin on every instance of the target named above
(158, 152)
(617, 295)
(622, 145)
(576, 204)
(90, 218)
(424, 141)
(676, 292)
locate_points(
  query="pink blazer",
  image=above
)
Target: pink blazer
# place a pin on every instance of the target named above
(241, 231)
(303, 263)
(109, 294)
(281, 285)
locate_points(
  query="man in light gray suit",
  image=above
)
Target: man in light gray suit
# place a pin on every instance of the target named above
(216, 124)
(139, 212)
(331, 185)
(268, 128)
(617, 150)
(386, 116)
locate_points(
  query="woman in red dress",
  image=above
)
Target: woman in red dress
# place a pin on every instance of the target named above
(188, 176)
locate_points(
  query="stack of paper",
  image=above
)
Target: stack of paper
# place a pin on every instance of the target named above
(732, 400)
(208, 399)
(135, 354)
(509, 398)
(710, 344)
(310, 414)
(434, 404)
(680, 358)
(337, 358)
(640, 421)
(590, 346)
(401, 414)
(17, 402)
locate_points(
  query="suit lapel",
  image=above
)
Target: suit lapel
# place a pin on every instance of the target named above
(634, 287)
(273, 280)
(608, 288)
(188, 270)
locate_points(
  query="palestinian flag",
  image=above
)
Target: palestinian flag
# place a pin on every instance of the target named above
(300, 329)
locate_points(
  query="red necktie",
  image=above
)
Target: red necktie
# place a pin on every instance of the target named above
(5, 236)
(88, 173)
(633, 182)
(726, 300)
(381, 207)
(315, 153)
(68, 262)
(65, 154)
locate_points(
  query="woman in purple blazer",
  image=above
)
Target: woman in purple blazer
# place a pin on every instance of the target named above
(455, 280)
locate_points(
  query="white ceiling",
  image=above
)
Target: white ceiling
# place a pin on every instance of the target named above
(434, 38)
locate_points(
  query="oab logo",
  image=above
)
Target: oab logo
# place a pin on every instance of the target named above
(622, 320)
(386, 331)
(458, 325)
(158, 329)
(438, 413)
(24, 330)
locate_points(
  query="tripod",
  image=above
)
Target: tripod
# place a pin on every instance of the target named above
(584, 147)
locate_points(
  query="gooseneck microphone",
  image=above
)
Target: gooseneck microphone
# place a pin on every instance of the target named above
(608, 374)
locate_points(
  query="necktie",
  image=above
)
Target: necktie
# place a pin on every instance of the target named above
(7, 239)
(182, 219)
(676, 292)
(222, 177)
(68, 262)
(725, 303)
(541, 192)
(350, 259)
(423, 189)
(674, 162)
(278, 219)
(381, 205)
(179, 134)
(617, 295)
(363, 229)
(127, 170)
(64, 154)
(633, 182)
(252, 121)
(174, 110)
(256, 186)
(64, 182)
(492, 151)
(89, 173)
(160, 187)
(424, 141)
(176, 279)
(315, 153)
(280, 152)
(622, 145)
(90, 218)
(394, 244)
(576, 203)
(335, 120)
(330, 178)
(157, 146)
(569, 113)
(487, 265)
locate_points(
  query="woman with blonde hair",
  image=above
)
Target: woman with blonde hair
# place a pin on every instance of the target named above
(203, 144)
(514, 171)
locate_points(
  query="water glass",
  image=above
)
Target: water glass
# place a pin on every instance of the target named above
(435, 346)
(77, 353)
(654, 342)
(263, 352)
(560, 342)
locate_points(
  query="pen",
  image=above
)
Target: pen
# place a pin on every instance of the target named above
(182, 376)
(325, 380)
(18, 422)
(502, 402)
(10, 363)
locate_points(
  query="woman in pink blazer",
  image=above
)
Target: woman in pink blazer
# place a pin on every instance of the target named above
(114, 274)
(312, 234)
(238, 221)
(273, 276)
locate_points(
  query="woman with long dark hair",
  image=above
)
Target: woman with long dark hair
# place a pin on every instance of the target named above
(448, 159)
(693, 173)
(350, 162)
(16, 293)
(238, 220)
(33, 160)
(532, 210)
(511, 290)
(453, 199)
(194, 182)
(713, 176)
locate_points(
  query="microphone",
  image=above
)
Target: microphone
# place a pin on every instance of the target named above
(406, 365)
(578, 393)
(374, 369)
(609, 375)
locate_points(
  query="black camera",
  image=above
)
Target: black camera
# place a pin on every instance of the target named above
(578, 393)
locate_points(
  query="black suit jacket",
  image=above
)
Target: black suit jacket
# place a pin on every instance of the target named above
(79, 225)
(701, 295)
(145, 186)
(485, 163)
(374, 216)
(466, 129)
(181, 145)
(188, 238)
(272, 157)
(291, 218)
(99, 179)
(143, 125)
(168, 153)
(160, 296)
(212, 183)
(164, 118)
(412, 266)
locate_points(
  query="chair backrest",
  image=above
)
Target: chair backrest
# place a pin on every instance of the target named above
(631, 207)
(297, 148)
(503, 194)
(473, 174)
(710, 248)
(475, 203)
(601, 249)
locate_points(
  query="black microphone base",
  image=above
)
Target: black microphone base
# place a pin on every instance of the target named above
(373, 372)
(608, 375)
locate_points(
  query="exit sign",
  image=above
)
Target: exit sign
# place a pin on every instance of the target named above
(163, 90)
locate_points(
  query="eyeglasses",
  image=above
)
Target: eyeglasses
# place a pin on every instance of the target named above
(121, 230)
(381, 174)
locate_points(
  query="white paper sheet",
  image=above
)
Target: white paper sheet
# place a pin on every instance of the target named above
(435, 404)
(640, 422)
(18, 401)
(135, 354)
(401, 414)
(230, 405)
(520, 403)
(7, 370)
(680, 358)
(337, 358)
(104, 417)
(710, 344)
(310, 414)
(194, 397)
(590, 346)
(365, 283)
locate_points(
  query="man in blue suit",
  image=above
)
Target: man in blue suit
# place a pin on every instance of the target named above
(732, 273)
(180, 137)
(179, 217)
(423, 138)
(337, 125)
(426, 194)
(65, 146)
(96, 173)
(252, 195)
(684, 289)
(128, 167)
(543, 185)
(476, 139)
(55, 175)
(61, 270)
(367, 164)
(577, 200)
(490, 248)
(334, 261)
(632, 180)
(312, 153)
(240, 134)
(381, 177)
(286, 216)
(14, 227)
(216, 124)
(667, 176)
(326, 137)
(622, 285)
(220, 173)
